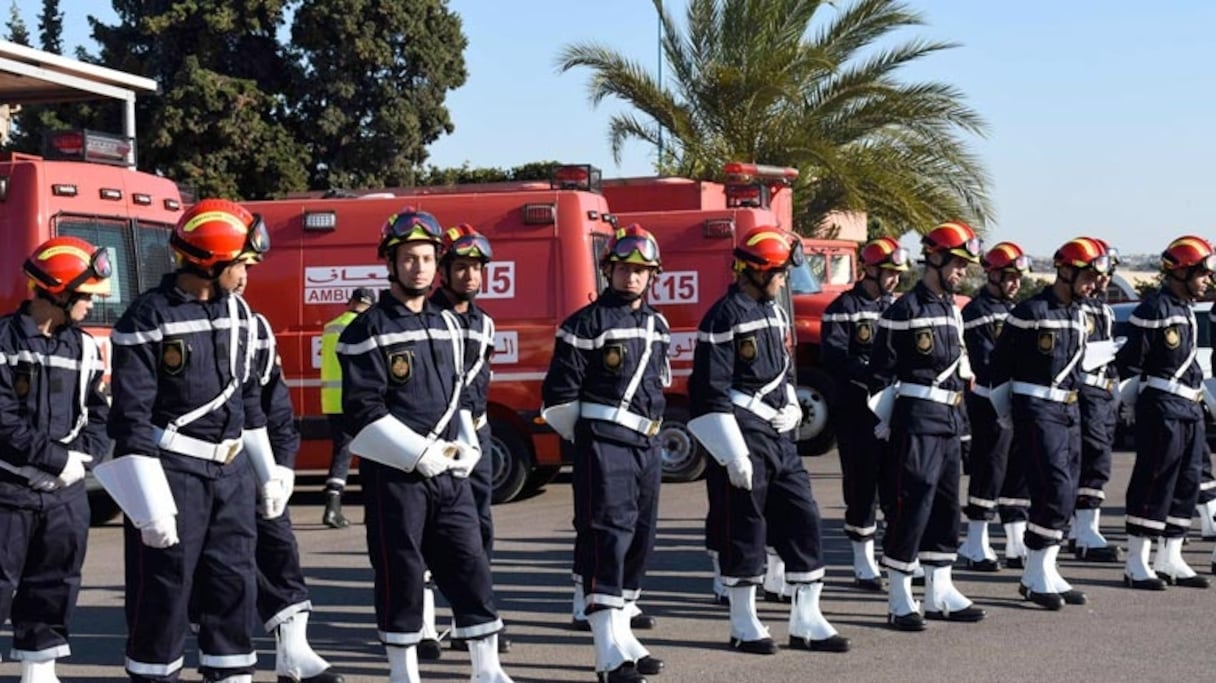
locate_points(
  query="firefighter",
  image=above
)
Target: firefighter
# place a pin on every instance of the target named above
(604, 392)
(54, 411)
(466, 253)
(1036, 372)
(997, 482)
(331, 404)
(1099, 416)
(848, 336)
(1161, 352)
(189, 435)
(744, 413)
(404, 400)
(283, 601)
(919, 358)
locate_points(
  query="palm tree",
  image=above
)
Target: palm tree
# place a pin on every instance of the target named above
(769, 81)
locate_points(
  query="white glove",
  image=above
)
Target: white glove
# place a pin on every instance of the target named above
(788, 418)
(466, 459)
(435, 460)
(882, 431)
(740, 472)
(73, 471)
(1127, 413)
(276, 492)
(39, 480)
(160, 533)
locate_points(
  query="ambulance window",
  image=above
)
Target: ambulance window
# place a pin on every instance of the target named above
(599, 243)
(112, 235)
(803, 281)
(817, 263)
(155, 257)
(842, 269)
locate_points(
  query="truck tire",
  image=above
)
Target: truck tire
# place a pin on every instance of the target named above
(102, 508)
(512, 458)
(683, 457)
(815, 435)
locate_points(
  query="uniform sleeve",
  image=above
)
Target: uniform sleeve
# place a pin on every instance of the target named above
(568, 367)
(93, 439)
(980, 339)
(713, 365)
(136, 346)
(837, 331)
(1130, 358)
(26, 445)
(280, 419)
(364, 375)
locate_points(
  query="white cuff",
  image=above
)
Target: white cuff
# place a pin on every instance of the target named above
(261, 455)
(138, 484)
(389, 442)
(719, 433)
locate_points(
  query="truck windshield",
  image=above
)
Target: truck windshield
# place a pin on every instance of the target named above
(139, 253)
(803, 281)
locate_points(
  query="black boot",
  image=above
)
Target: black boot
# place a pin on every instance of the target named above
(332, 517)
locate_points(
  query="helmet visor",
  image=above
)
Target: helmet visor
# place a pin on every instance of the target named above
(411, 226)
(1101, 265)
(1022, 264)
(1209, 263)
(624, 249)
(257, 241)
(473, 246)
(99, 268)
(899, 258)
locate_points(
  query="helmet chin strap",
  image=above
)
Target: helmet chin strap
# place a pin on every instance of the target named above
(62, 302)
(941, 277)
(760, 283)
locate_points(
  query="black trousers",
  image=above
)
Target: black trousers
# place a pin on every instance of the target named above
(339, 464)
(989, 462)
(923, 515)
(861, 455)
(1164, 487)
(1099, 414)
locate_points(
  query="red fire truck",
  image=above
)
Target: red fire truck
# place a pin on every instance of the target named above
(82, 188)
(547, 237)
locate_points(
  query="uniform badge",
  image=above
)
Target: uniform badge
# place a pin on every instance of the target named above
(173, 356)
(865, 333)
(400, 366)
(1172, 337)
(614, 357)
(997, 326)
(747, 348)
(21, 384)
(1047, 342)
(1090, 325)
(924, 340)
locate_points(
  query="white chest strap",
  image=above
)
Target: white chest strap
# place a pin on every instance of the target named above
(233, 349)
(88, 359)
(455, 331)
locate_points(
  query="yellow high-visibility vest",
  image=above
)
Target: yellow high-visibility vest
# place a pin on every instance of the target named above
(331, 370)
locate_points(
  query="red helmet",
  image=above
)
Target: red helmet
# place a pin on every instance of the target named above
(464, 240)
(1110, 251)
(767, 248)
(1188, 252)
(1006, 256)
(885, 252)
(410, 225)
(69, 264)
(216, 232)
(632, 244)
(1082, 252)
(955, 238)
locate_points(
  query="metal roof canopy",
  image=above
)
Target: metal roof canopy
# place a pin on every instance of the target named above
(29, 76)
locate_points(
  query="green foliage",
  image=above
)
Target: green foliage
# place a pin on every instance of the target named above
(370, 98)
(50, 27)
(15, 28)
(433, 175)
(33, 120)
(773, 81)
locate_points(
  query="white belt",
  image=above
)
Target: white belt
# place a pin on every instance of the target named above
(222, 452)
(1173, 386)
(927, 393)
(753, 404)
(638, 423)
(1100, 381)
(1046, 393)
(981, 391)
(480, 421)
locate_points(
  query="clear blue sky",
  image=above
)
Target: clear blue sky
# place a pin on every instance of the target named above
(1100, 110)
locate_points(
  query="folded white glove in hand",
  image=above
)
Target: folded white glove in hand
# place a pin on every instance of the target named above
(466, 459)
(435, 460)
(788, 418)
(276, 492)
(740, 472)
(73, 471)
(160, 533)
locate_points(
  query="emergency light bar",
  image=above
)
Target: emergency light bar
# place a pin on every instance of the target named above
(737, 171)
(88, 145)
(320, 220)
(576, 177)
(751, 195)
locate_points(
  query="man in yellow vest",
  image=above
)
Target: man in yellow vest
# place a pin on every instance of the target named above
(331, 405)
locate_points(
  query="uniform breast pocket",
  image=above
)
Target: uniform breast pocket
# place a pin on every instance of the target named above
(174, 356)
(400, 363)
(612, 358)
(25, 375)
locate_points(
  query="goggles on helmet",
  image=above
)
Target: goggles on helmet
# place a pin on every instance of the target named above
(971, 247)
(99, 267)
(472, 246)
(1101, 264)
(899, 257)
(257, 242)
(410, 226)
(625, 247)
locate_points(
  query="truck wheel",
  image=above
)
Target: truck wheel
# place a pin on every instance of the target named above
(683, 459)
(815, 434)
(102, 508)
(512, 461)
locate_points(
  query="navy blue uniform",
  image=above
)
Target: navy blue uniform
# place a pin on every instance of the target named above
(1170, 439)
(613, 360)
(1040, 352)
(1099, 412)
(741, 355)
(51, 401)
(186, 362)
(849, 326)
(1207, 480)
(403, 364)
(997, 481)
(478, 348)
(920, 345)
